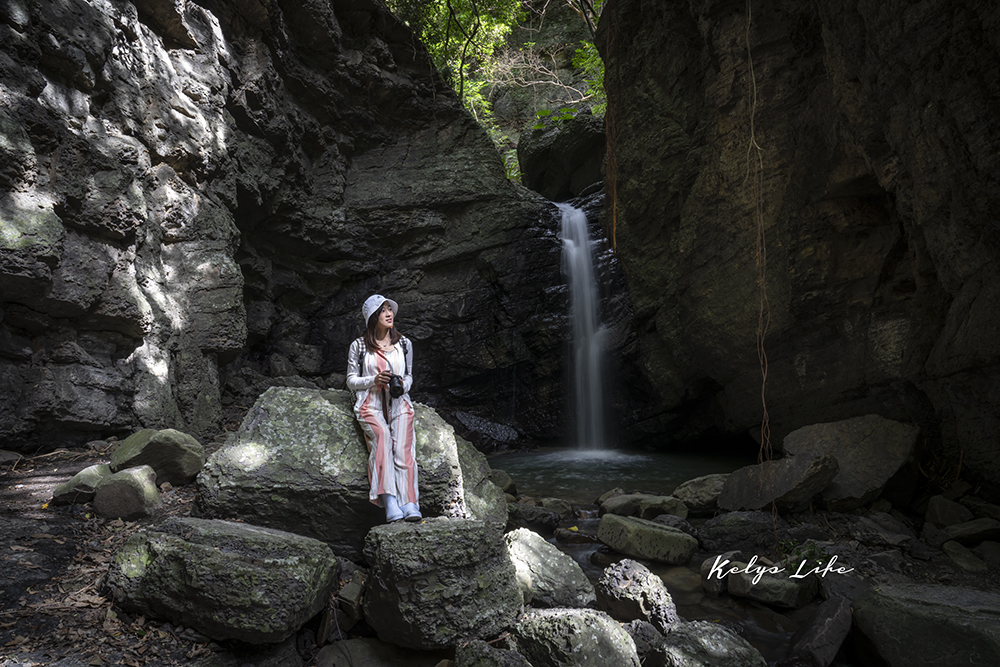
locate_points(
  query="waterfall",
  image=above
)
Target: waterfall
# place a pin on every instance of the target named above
(588, 335)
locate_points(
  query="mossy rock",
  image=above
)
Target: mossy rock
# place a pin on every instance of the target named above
(641, 538)
(80, 489)
(129, 494)
(229, 580)
(440, 581)
(175, 456)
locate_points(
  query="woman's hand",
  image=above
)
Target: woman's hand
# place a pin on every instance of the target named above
(382, 378)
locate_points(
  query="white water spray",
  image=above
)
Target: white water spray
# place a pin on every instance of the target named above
(588, 335)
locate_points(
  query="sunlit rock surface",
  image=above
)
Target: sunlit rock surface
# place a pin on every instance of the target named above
(573, 637)
(876, 186)
(80, 488)
(628, 591)
(641, 538)
(176, 457)
(546, 576)
(192, 194)
(299, 463)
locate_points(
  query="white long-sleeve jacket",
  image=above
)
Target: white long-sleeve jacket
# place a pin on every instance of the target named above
(362, 368)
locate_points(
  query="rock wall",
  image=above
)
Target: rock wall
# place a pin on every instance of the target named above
(195, 198)
(877, 188)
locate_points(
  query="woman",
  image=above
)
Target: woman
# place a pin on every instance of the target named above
(387, 422)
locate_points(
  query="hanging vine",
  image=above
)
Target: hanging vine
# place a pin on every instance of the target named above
(755, 174)
(610, 122)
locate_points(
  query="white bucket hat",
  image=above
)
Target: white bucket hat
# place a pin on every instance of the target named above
(373, 303)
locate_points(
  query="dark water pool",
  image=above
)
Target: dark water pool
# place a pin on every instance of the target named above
(582, 476)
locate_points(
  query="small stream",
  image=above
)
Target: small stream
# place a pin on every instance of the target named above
(581, 476)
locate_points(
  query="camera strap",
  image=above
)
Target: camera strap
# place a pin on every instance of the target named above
(386, 396)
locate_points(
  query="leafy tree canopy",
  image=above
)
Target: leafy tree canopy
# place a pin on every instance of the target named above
(461, 35)
(467, 41)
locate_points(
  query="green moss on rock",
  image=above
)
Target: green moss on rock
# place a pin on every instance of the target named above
(230, 580)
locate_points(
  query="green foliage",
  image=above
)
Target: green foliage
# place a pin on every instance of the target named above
(512, 165)
(589, 60)
(547, 117)
(808, 551)
(507, 149)
(461, 36)
(466, 40)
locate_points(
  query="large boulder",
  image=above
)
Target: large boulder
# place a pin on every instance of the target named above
(477, 653)
(701, 494)
(230, 580)
(628, 591)
(931, 626)
(176, 457)
(439, 581)
(869, 451)
(573, 638)
(703, 643)
(547, 577)
(790, 483)
(129, 494)
(299, 462)
(773, 585)
(644, 505)
(641, 538)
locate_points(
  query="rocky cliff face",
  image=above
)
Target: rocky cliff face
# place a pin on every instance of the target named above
(195, 198)
(877, 162)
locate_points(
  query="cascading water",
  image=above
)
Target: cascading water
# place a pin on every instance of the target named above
(588, 334)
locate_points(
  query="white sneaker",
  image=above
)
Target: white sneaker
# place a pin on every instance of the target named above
(393, 512)
(411, 512)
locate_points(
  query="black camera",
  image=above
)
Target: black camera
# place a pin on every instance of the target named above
(395, 386)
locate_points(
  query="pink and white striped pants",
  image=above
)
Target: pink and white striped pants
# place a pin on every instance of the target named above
(392, 446)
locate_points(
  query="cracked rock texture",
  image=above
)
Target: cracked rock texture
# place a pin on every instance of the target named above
(196, 197)
(877, 194)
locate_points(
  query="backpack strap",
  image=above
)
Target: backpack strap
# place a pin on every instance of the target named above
(404, 341)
